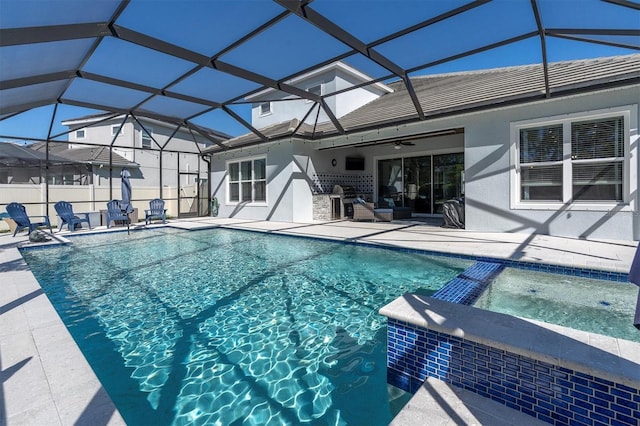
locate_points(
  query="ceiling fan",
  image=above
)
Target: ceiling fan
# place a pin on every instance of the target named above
(399, 144)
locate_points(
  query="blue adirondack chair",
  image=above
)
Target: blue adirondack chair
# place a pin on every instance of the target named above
(18, 213)
(65, 211)
(115, 212)
(156, 211)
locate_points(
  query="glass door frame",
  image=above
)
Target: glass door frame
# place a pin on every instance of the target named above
(407, 155)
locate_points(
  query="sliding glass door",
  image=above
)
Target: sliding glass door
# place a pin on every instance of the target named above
(421, 183)
(448, 179)
(390, 183)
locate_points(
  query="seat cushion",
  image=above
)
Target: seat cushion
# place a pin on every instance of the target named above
(383, 214)
(402, 212)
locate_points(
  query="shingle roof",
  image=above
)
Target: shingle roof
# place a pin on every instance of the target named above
(12, 154)
(93, 155)
(216, 134)
(455, 93)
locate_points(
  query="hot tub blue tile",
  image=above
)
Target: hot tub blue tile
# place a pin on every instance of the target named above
(627, 420)
(584, 404)
(518, 380)
(621, 409)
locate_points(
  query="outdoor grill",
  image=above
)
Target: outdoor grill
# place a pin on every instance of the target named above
(347, 195)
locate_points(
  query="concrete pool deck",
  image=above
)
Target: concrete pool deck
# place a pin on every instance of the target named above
(44, 379)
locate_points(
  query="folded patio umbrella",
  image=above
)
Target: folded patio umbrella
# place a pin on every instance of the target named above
(125, 186)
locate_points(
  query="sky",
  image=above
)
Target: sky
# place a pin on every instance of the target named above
(206, 27)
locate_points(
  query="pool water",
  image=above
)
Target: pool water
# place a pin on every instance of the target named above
(231, 327)
(596, 306)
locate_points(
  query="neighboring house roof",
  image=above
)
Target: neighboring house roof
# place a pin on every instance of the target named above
(14, 155)
(87, 119)
(455, 93)
(94, 155)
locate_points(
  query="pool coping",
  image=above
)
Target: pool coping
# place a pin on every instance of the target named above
(46, 378)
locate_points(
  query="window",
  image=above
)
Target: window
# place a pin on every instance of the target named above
(247, 181)
(80, 134)
(265, 108)
(541, 163)
(582, 160)
(146, 138)
(114, 130)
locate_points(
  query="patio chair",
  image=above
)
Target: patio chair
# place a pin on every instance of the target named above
(65, 211)
(18, 213)
(156, 211)
(367, 211)
(363, 211)
(115, 212)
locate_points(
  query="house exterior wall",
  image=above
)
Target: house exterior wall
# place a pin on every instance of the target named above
(488, 166)
(280, 184)
(332, 80)
(346, 102)
(148, 159)
(281, 111)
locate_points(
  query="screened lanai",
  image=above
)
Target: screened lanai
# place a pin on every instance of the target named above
(158, 83)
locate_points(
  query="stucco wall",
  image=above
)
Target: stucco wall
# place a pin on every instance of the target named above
(487, 165)
(280, 184)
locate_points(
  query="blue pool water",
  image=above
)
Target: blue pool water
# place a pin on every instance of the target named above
(596, 306)
(230, 327)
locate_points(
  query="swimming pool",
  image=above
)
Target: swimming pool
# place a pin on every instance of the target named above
(596, 306)
(235, 327)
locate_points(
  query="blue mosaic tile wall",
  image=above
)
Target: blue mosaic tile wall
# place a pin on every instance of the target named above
(469, 285)
(548, 392)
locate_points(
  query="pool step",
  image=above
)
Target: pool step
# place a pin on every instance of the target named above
(469, 285)
(437, 403)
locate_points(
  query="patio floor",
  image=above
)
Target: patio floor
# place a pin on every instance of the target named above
(44, 379)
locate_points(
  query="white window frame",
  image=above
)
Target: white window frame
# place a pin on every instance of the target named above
(253, 180)
(263, 113)
(84, 134)
(630, 162)
(114, 129)
(144, 136)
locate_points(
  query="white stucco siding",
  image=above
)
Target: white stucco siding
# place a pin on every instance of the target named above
(281, 111)
(488, 166)
(280, 184)
(303, 169)
(353, 99)
(285, 107)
